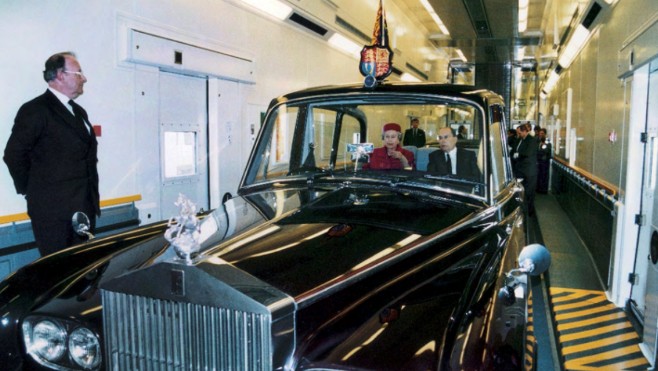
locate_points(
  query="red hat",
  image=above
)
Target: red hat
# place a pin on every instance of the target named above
(392, 126)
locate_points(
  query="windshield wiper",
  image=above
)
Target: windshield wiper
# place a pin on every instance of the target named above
(451, 177)
(314, 173)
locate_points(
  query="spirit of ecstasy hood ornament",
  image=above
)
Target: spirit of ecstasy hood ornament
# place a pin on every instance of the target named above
(183, 230)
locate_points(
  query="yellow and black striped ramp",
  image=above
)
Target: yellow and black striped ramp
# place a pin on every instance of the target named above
(593, 333)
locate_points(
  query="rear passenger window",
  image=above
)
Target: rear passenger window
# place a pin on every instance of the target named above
(498, 151)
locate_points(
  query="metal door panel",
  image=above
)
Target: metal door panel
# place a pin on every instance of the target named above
(183, 141)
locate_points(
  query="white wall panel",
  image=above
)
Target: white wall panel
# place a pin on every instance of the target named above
(119, 95)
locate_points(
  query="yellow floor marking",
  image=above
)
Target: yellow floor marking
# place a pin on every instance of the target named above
(597, 344)
(591, 321)
(640, 361)
(559, 290)
(579, 363)
(582, 313)
(582, 303)
(596, 332)
(599, 340)
(567, 297)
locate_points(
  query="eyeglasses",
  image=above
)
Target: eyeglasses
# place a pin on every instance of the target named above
(79, 73)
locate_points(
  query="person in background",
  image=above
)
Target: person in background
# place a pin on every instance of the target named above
(462, 132)
(391, 155)
(453, 160)
(52, 156)
(544, 153)
(524, 161)
(414, 136)
(511, 140)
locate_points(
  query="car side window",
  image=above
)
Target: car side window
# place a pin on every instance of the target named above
(274, 161)
(498, 151)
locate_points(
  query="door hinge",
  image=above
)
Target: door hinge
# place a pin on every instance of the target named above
(633, 278)
(639, 219)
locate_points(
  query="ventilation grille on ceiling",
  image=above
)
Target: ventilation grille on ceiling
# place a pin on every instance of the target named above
(352, 29)
(417, 71)
(307, 24)
(478, 15)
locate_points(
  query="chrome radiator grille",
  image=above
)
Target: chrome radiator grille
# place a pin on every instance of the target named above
(152, 334)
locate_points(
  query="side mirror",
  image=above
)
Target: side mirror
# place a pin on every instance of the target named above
(533, 260)
(81, 224)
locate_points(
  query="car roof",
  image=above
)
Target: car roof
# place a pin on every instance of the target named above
(479, 96)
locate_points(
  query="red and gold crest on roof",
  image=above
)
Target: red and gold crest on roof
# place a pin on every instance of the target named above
(377, 59)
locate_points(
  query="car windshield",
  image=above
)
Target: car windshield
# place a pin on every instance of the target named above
(329, 139)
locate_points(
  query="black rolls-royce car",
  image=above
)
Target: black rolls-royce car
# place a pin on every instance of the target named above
(319, 262)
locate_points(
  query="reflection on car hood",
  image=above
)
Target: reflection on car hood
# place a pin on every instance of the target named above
(336, 233)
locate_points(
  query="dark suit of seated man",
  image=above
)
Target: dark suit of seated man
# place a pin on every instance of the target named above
(460, 162)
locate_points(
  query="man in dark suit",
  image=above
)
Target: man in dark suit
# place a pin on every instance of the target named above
(453, 160)
(52, 155)
(544, 153)
(414, 136)
(524, 162)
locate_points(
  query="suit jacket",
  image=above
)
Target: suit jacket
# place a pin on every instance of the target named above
(52, 159)
(525, 164)
(544, 152)
(410, 139)
(380, 160)
(467, 166)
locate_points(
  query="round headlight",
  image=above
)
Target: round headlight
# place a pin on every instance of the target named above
(84, 347)
(48, 340)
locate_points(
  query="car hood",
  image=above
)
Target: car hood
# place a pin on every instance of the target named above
(336, 233)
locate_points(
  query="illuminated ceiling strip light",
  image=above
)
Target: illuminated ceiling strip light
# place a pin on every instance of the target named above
(406, 76)
(275, 8)
(346, 45)
(573, 47)
(461, 55)
(551, 82)
(523, 14)
(435, 17)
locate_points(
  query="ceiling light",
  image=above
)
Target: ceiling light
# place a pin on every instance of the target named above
(523, 14)
(435, 17)
(553, 78)
(274, 8)
(406, 76)
(573, 47)
(343, 43)
(461, 55)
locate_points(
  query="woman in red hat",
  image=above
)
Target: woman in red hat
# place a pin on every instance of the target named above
(391, 155)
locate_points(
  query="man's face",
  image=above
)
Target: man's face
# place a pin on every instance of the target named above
(541, 135)
(447, 141)
(520, 133)
(391, 139)
(71, 81)
(414, 124)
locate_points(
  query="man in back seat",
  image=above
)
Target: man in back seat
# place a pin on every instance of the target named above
(453, 160)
